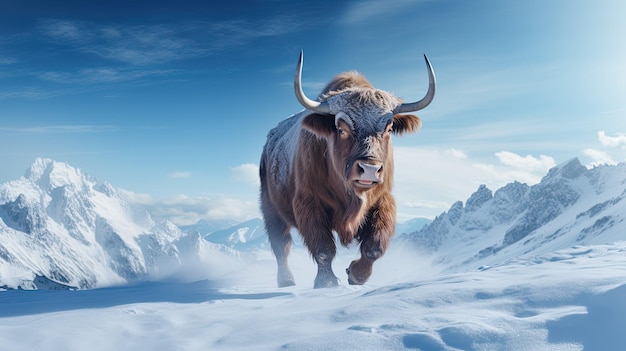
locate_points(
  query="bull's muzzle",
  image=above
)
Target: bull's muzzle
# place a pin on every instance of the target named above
(369, 174)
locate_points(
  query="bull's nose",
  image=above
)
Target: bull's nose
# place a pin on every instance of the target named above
(369, 172)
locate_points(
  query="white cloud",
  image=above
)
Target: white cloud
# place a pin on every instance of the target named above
(180, 175)
(456, 153)
(608, 141)
(611, 151)
(186, 210)
(528, 162)
(247, 173)
(429, 181)
(598, 157)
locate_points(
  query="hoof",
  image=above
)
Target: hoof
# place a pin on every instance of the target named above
(286, 283)
(285, 278)
(359, 272)
(325, 282)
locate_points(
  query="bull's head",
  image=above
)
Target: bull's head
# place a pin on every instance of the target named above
(358, 122)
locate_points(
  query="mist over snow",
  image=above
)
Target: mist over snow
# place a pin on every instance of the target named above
(521, 267)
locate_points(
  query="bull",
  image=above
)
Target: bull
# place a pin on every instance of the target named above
(329, 169)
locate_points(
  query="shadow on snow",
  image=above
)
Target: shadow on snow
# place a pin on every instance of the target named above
(601, 328)
(29, 302)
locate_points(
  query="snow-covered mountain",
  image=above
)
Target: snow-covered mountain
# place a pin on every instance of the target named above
(209, 226)
(247, 236)
(250, 235)
(412, 225)
(572, 205)
(61, 228)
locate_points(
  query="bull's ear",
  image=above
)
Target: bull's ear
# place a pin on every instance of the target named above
(405, 124)
(320, 125)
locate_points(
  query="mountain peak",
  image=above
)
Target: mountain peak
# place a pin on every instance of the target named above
(38, 168)
(570, 169)
(478, 198)
(50, 174)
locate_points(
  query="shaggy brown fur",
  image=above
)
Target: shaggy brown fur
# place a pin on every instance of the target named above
(321, 194)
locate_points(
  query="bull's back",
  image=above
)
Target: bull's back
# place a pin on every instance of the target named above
(276, 169)
(279, 150)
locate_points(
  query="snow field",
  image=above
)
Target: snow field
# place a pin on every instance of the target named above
(569, 300)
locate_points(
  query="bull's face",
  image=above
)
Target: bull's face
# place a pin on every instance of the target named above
(357, 121)
(359, 135)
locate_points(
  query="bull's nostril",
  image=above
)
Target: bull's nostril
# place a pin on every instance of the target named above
(360, 168)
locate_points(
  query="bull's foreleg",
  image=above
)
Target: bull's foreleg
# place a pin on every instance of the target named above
(325, 277)
(321, 244)
(318, 238)
(375, 236)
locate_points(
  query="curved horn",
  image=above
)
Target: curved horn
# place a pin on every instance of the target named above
(317, 106)
(430, 94)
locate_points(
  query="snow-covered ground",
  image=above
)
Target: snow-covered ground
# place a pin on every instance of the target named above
(572, 299)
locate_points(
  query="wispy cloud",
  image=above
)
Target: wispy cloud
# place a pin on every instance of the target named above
(162, 43)
(138, 45)
(129, 54)
(7, 60)
(363, 11)
(186, 210)
(29, 93)
(61, 129)
(456, 153)
(101, 75)
(179, 175)
(247, 173)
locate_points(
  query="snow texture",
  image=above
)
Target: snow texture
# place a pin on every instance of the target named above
(462, 282)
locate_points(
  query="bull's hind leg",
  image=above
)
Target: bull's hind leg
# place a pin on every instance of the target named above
(280, 241)
(281, 244)
(280, 238)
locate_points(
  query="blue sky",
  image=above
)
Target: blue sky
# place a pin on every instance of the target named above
(171, 100)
